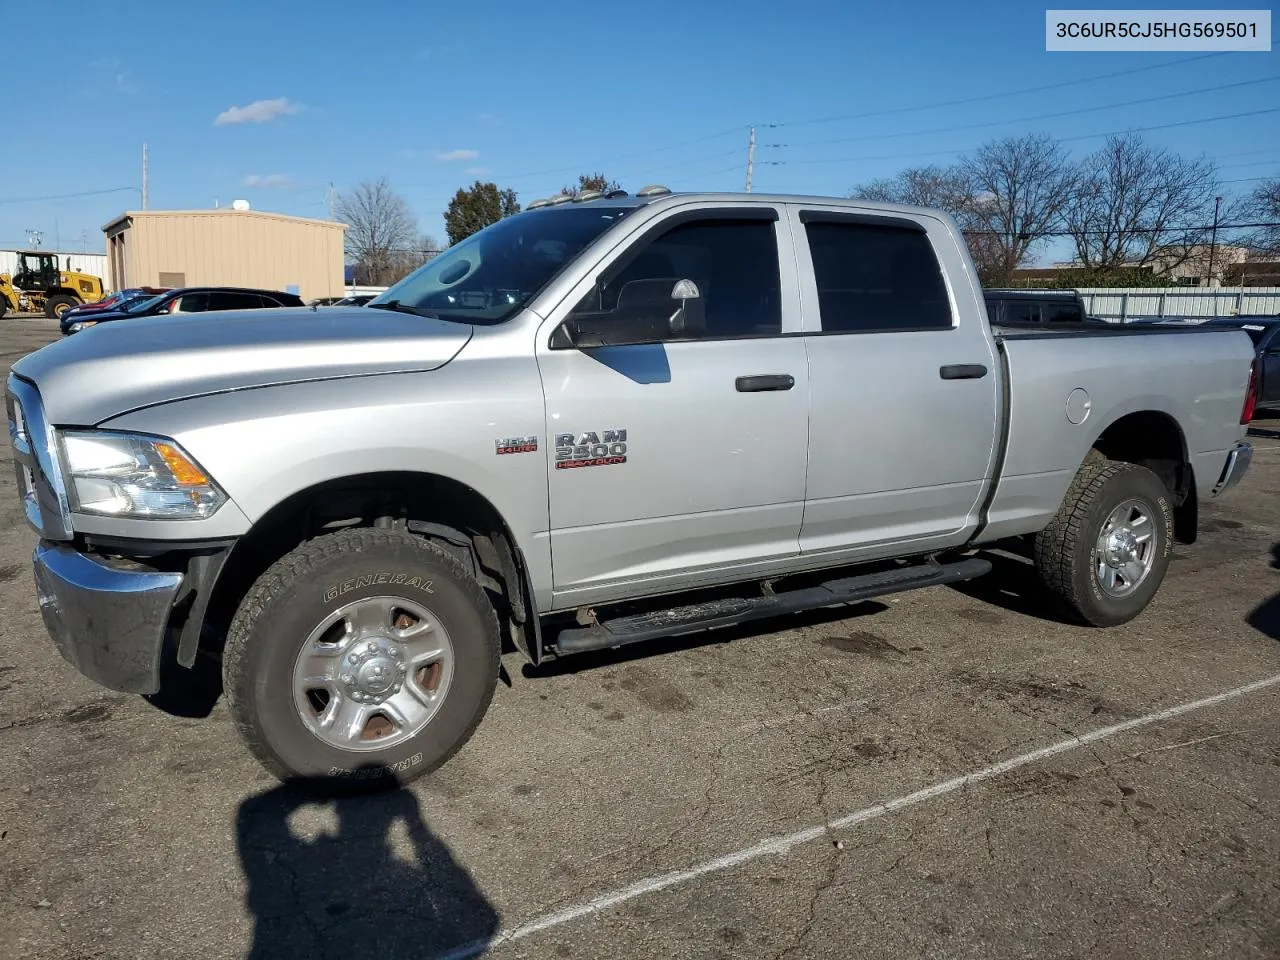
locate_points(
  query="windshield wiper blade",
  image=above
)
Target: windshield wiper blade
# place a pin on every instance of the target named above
(399, 307)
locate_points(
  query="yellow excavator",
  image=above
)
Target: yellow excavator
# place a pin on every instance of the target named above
(39, 285)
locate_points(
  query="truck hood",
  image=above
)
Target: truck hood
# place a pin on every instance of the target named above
(108, 370)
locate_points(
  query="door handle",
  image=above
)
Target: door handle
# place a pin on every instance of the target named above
(763, 382)
(963, 371)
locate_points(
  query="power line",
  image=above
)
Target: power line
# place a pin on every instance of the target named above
(1178, 123)
(1084, 136)
(1128, 230)
(66, 196)
(1042, 116)
(992, 96)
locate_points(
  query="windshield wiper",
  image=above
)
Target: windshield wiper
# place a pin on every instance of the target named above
(399, 307)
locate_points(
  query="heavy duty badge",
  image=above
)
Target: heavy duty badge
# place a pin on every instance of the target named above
(591, 449)
(516, 445)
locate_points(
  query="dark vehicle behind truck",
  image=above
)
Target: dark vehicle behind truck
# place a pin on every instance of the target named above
(1011, 307)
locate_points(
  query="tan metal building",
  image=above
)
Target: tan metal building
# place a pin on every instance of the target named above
(226, 247)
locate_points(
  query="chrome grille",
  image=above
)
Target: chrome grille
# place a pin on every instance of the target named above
(36, 464)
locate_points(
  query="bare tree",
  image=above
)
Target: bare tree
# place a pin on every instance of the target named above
(942, 188)
(1019, 187)
(1135, 204)
(380, 230)
(405, 261)
(946, 189)
(1262, 207)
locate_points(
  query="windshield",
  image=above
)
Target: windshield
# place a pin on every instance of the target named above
(487, 277)
(141, 305)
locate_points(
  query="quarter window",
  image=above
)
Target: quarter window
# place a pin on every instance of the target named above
(732, 263)
(876, 277)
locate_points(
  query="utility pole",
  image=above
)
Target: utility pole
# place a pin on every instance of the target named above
(1213, 243)
(751, 157)
(144, 176)
(329, 200)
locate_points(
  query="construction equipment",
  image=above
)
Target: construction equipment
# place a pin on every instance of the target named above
(39, 285)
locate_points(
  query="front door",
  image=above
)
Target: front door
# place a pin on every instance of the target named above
(677, 444)
(904, 381)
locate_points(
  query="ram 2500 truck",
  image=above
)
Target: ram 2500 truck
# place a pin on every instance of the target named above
(590, 424)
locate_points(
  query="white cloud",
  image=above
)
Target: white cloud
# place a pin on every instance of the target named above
(268, 180)
(260, 111)
(454, 155)
(477, 171)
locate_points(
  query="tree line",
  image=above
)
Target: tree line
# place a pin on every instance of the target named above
(384, 243)
(1129, 208)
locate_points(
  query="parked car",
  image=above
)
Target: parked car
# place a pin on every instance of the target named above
(188, 300)
(1264, 331)
(1018, 307)
(120, 300)
(588, 425)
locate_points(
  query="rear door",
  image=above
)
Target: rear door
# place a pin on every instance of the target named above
(904, 382)
(682, 457)
(232, 300)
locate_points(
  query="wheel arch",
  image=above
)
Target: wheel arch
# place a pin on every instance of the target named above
(451, 514)
(1154, 439)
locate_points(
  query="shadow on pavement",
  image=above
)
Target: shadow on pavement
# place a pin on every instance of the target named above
(1266, 616)
(348, 893)
(1013, 584)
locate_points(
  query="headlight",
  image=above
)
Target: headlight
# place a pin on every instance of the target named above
(82, 325)
(130, 475)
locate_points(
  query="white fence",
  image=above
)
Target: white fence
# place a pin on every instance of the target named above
(1134, 303)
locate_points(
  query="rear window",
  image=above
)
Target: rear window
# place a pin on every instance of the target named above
(1062, 313)
(874, 277)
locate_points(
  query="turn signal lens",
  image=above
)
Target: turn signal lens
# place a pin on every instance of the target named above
(186, 473)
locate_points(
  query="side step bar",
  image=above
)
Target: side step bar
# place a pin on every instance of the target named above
(713, 614)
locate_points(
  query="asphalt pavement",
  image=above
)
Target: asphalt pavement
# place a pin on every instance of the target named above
(950, 773)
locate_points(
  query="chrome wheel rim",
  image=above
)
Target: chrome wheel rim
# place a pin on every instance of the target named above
(1126, 548)
(372, 674)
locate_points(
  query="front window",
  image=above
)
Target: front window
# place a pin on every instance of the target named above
(487, 277)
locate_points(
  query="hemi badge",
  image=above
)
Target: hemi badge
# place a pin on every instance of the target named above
(516, 445)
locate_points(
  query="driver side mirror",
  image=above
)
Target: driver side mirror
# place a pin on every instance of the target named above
(643, 314)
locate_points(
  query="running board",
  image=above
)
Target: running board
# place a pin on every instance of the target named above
(714, 614)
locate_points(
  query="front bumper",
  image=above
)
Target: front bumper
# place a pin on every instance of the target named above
(1234, 469)
(109, 622)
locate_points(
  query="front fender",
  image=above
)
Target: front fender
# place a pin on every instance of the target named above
(265, 445)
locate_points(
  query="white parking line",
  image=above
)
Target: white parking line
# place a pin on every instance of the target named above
(781, 844)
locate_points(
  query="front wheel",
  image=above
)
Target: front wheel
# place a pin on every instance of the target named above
(59, 304)
(1107, 549)
(365, 657)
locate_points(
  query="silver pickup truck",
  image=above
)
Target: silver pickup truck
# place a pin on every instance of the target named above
(591, 424)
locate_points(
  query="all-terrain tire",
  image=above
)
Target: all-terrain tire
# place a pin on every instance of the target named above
(1066, 551)
(309, 584)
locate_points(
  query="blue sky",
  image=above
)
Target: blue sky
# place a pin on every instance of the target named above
(273, 102)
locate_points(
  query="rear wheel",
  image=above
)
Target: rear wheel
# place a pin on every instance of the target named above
(1106, 551)
(59, 304)
(365, 657)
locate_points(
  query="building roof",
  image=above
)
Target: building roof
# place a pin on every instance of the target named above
(218, 212)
